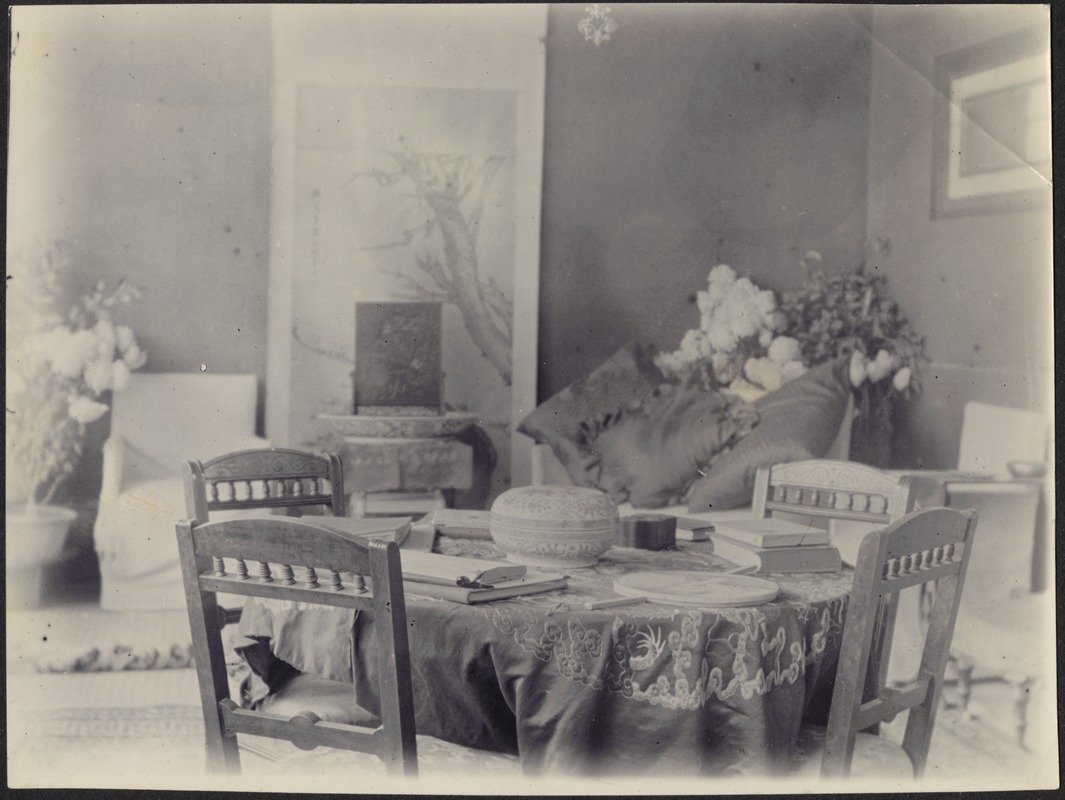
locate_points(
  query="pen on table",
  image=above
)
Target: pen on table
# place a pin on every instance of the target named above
(613, 601)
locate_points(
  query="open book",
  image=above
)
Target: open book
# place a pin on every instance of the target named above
(393, 529)
(530, 583)
(444, 570)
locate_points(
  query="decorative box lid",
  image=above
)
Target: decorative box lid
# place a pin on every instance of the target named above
(554, 507)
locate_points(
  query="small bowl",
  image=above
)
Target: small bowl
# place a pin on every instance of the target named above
(1026, 469)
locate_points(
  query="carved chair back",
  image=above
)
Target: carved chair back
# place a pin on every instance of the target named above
(930, 548)
(828, 489)
(272, 478)
(303, 562)
(855, 497)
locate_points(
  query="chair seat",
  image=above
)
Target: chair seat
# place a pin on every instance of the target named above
(874, 756)
(333, 701)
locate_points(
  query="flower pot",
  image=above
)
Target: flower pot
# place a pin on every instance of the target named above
(35, 536)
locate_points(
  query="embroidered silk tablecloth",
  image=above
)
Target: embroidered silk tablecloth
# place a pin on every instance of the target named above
(634, 689)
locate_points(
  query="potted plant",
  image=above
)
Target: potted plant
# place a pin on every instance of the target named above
(751, 343)
(850, 313)
(63, 356)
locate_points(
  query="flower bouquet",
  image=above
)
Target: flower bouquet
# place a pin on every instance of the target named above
(60, 362)
(740, 342)
(751, 343)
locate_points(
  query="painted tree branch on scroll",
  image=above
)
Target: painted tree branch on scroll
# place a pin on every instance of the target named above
(442, 184)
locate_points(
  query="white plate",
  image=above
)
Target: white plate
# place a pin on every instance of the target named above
(690, 588)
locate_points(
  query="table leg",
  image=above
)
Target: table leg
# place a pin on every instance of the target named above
(1040, 544)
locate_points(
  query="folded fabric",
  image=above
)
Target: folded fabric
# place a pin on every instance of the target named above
(798, 421)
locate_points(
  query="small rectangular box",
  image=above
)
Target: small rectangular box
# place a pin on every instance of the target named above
(648, 531)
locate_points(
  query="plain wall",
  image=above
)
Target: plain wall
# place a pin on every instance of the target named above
(141, 136)
(978, 287)
(697, 134)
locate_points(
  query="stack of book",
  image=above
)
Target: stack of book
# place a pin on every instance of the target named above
(775, 545)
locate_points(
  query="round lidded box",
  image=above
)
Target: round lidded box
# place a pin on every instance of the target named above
(554, 526)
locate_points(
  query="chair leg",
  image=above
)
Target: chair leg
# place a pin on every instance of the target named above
(1021, 685)
(964, 667)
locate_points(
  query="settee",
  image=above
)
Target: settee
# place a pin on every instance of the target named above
(657, 445)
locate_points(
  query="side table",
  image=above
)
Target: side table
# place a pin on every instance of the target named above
(1007, 570)
(400, 457)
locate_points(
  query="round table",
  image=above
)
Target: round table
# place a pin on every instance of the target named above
(633, 689)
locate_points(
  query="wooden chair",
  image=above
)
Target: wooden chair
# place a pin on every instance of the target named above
(266, 478)
(848, 498)
(832, 490)
(298, 550)
(930, 547)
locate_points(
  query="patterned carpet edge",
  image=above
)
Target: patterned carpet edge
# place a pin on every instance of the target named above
(87, 639)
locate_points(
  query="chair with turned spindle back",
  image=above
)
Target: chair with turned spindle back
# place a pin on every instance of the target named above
(847, 498)
(266, 478)
(932, 548)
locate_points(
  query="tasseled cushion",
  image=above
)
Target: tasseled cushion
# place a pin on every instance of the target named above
(332, 701)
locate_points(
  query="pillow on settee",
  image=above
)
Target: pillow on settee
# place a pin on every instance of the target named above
(651, 455)
(799, 421)
(574, 417)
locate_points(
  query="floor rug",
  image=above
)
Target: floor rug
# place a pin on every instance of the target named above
(84, 638)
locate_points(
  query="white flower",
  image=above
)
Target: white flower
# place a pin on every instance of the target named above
(720, 335)
(765, 337)
(784, 349)
(134, 357)
(746, 390)
(85, 410)
(98, 375)
(69, 351)
(881, 366)
(857, 369)
(124, 339)
(105, 338)
(766, 303)
(723, 274)
(792, 370)
(720, 362)
(763, 372)
(902, 379)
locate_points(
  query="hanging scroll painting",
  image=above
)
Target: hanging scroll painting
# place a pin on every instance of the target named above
(410, 194)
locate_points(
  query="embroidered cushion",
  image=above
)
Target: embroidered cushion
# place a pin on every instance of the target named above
(798, 421)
